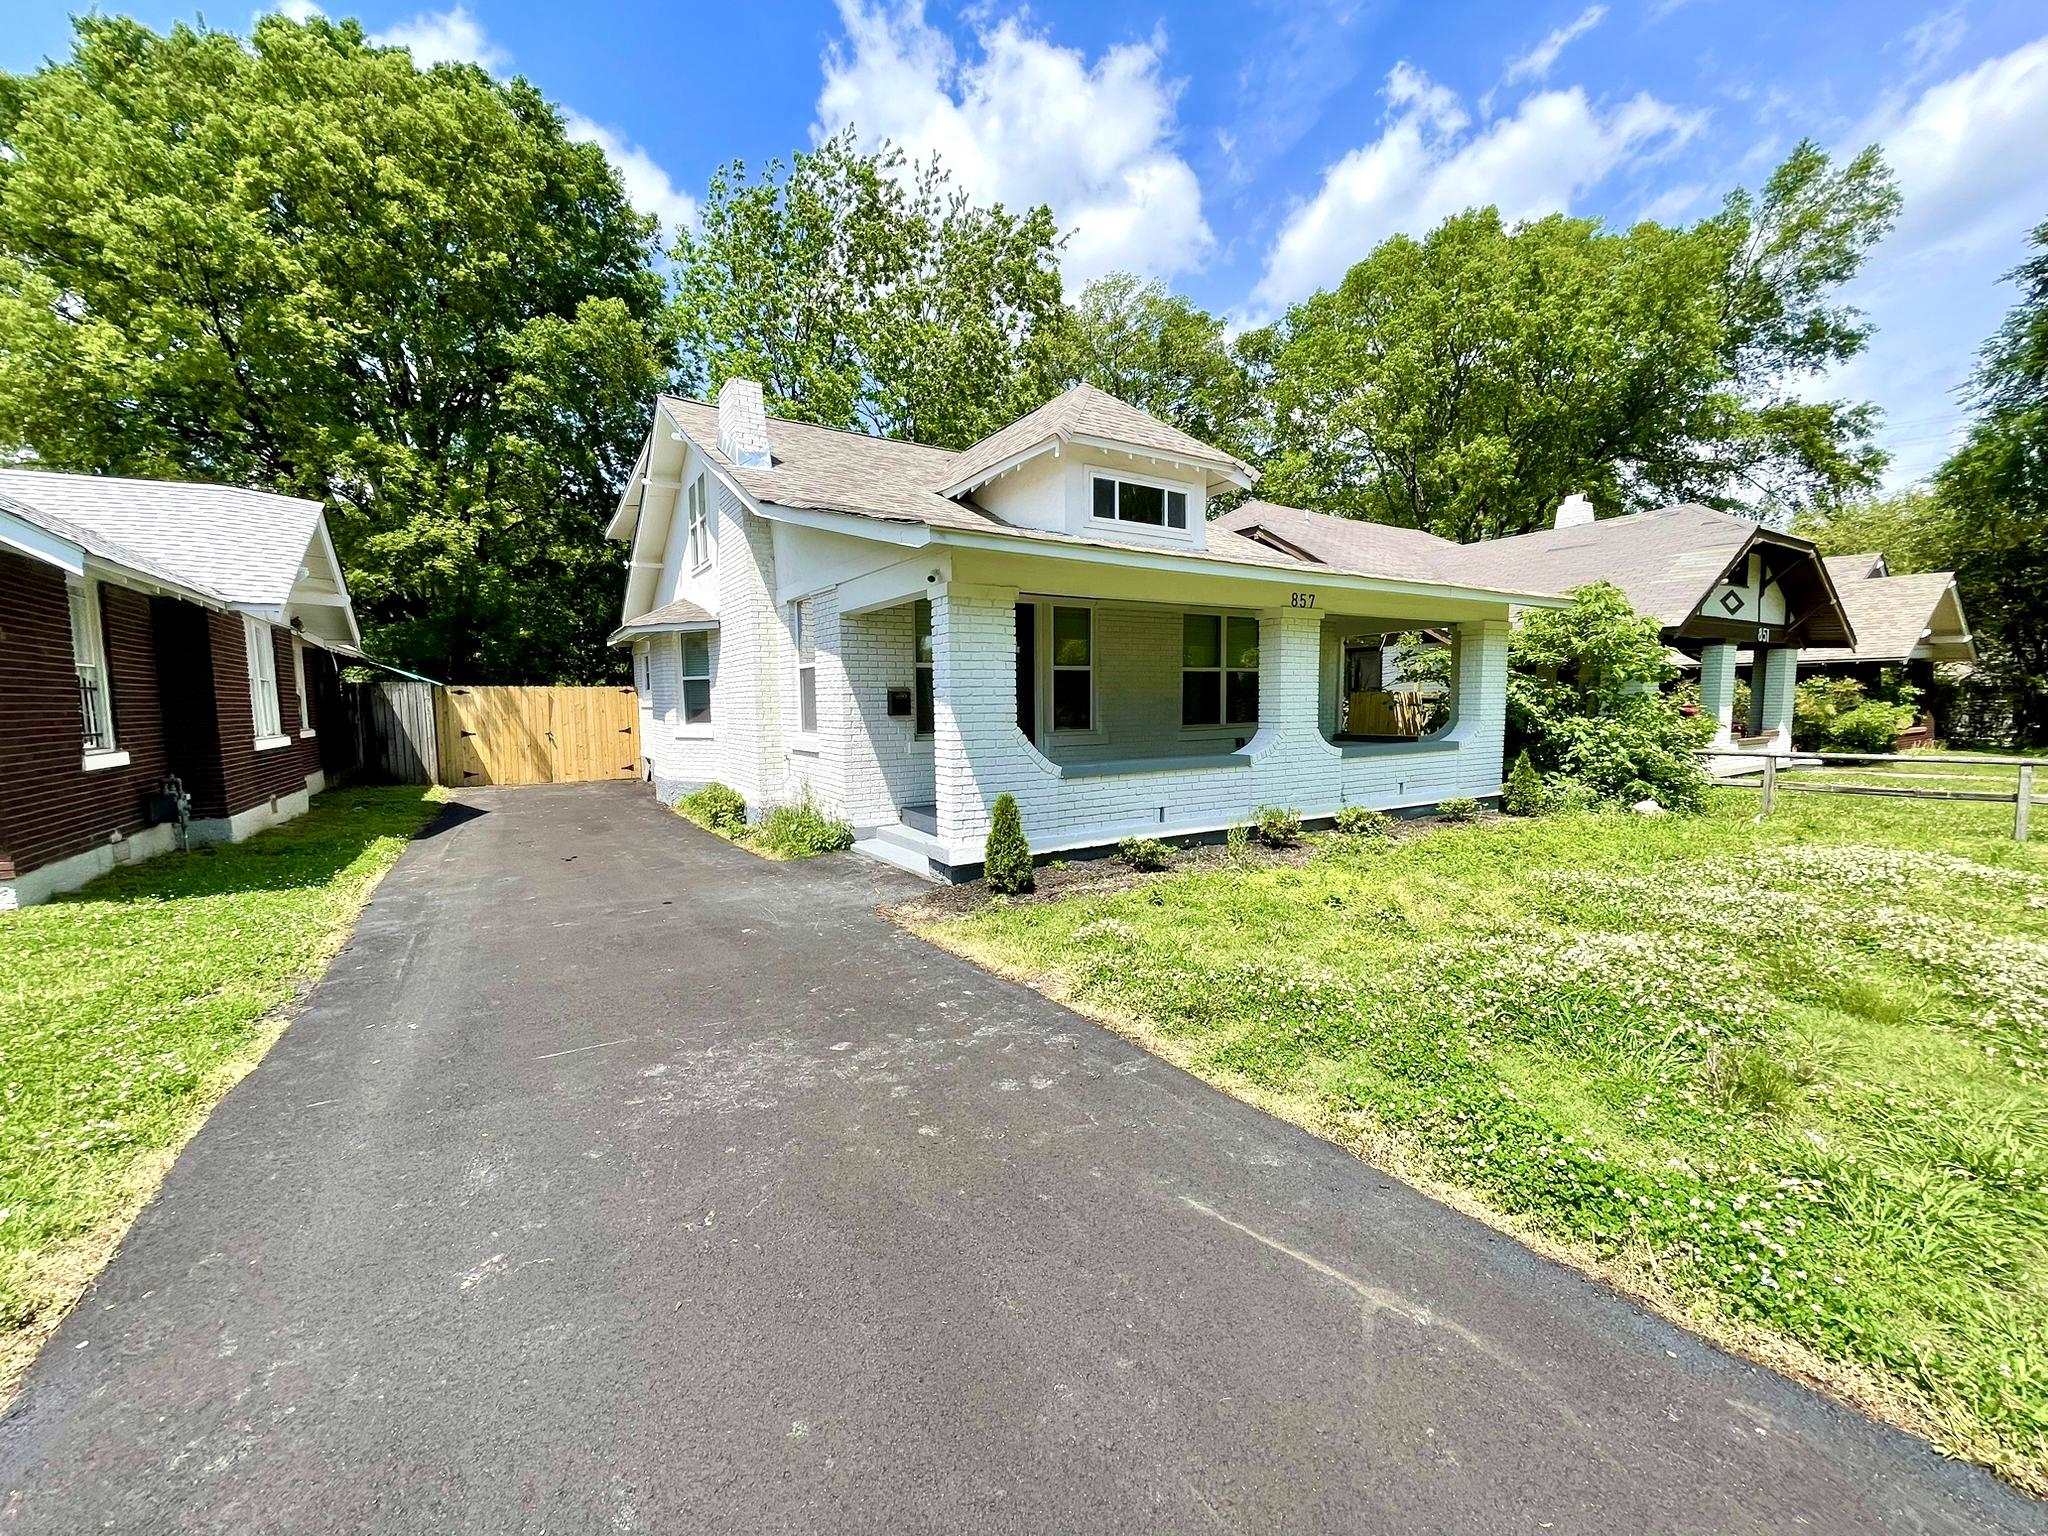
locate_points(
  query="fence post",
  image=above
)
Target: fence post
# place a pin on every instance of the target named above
(2023, 803)
(1770, 783)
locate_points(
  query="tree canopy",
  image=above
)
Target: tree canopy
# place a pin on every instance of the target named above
(1468, 381)
(1164, 354)
(867, 293)
(300, 262)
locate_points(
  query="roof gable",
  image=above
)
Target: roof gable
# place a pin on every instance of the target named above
(1087, 414)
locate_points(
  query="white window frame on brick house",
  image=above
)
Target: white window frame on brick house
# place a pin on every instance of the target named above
(1053, 667)
(95, 682)
(265, 714)
(1222, 671)
(1116, 480)
(698, 499)
(643, 683)
(699, 723)
(299, 684)
(804, 642)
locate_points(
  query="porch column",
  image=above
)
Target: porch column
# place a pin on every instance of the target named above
(977, 752)
(1717, 687)
(1776, 675)
(1479, 702)
(1290, 671)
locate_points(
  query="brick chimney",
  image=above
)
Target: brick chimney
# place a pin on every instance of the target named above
(1573, 512)
(743, 424)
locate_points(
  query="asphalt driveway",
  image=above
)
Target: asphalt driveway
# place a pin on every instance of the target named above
(615, 1180)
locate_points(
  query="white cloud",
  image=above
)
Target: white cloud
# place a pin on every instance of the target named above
(1425, 166)
(443, 37)
(648, 187)
(294, 10)
(1537, 63)
(1025, 121)
(1967, 154)
(1935, 38)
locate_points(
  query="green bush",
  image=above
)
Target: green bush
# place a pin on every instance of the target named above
(801, 831)
(1277, 826)
(1457, 808)
(1237, 844)
(1357, 821)
(1871, 726)
(1006, 859)
(1565, 794)
(717, 806)
(1525, 793)
(1583, 701)
(1144, 853)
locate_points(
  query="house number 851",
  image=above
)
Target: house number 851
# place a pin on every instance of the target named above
(1301, 599)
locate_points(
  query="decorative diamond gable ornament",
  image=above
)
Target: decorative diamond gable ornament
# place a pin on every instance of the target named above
(1731, 603)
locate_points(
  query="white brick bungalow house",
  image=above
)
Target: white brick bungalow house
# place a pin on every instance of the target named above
(902, 633)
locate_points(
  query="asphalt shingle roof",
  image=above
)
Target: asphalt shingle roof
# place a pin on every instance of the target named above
(1890, 614)
(110, 550)
(680, 614)
(1085, 411)
(243, 546)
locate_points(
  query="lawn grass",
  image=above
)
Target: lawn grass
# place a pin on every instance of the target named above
(1788, 1080)
(128, 1008)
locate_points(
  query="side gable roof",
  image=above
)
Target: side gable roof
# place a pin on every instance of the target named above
(1085, 412)
(1894, 615)
(246, 545)
(109, 551)
(1351, 544)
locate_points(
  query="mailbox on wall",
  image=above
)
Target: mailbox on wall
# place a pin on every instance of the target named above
(899, 703)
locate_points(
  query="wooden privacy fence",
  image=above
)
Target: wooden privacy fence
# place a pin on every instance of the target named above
(1899, 778)
(537, 735)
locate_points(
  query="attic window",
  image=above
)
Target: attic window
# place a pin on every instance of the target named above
(1133, 501)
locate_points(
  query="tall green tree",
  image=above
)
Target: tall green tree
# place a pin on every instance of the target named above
(1468, 381)
(301, 262)
(1164, 354)
(867, 293)
(1912, 529)
(1995, 489)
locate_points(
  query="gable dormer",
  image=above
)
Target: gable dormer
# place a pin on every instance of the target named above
(1089, 466)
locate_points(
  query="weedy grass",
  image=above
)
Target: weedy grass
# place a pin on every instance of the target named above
(128, 1008)
(1787, 1080)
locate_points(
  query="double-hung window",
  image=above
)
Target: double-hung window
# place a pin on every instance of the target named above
(806, 671)
(261, 656)
(921, 655)
(696, 674)
(89, 657)
(299, 684)
(1219, 670)
(641, 684)
(698, 500)
(1073, 669)
(1132, 501)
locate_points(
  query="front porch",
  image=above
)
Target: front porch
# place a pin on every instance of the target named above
(1109, 716)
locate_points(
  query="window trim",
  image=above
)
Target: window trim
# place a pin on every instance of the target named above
(299, 687)
(1171, 488)
(697, 510)
(259, 653)
(686, 727)
(805, 735)
(643, 673)
(1224, 725)
(98, 741)
(1093, 730)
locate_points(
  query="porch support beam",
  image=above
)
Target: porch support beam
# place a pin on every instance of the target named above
(1717, 687)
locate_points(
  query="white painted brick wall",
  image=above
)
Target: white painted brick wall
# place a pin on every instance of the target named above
(887, 764)
(1780, 679)
(980, 753)
(1717, 686)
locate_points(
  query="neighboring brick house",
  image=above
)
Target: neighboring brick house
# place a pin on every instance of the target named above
(901, 633)
(151, 631)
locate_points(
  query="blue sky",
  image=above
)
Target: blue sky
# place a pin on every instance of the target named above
(1248, 153)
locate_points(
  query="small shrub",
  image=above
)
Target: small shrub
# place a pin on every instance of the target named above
(1525, 793)
(1568, 794)
(801, 831)
(1144, 853)
(1237, 844)
(1006, 859)
(1872, 726)
(1357, 821)
(1277, 826)
(1457, 808)
(719, 807)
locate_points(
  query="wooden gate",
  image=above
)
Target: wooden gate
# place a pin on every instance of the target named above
(538, 735)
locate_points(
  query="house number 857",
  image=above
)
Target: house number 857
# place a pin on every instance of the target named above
(1301, 599)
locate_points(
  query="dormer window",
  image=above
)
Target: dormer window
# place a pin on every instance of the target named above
(1133, 501)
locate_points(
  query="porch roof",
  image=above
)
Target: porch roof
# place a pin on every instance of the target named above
(669, 618)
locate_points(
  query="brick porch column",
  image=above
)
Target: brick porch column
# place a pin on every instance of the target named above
(1717, 687)
(977, 752)
(1776, 676)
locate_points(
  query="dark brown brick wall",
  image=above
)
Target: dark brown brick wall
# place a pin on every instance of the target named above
(250, 777)
(50, 807)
